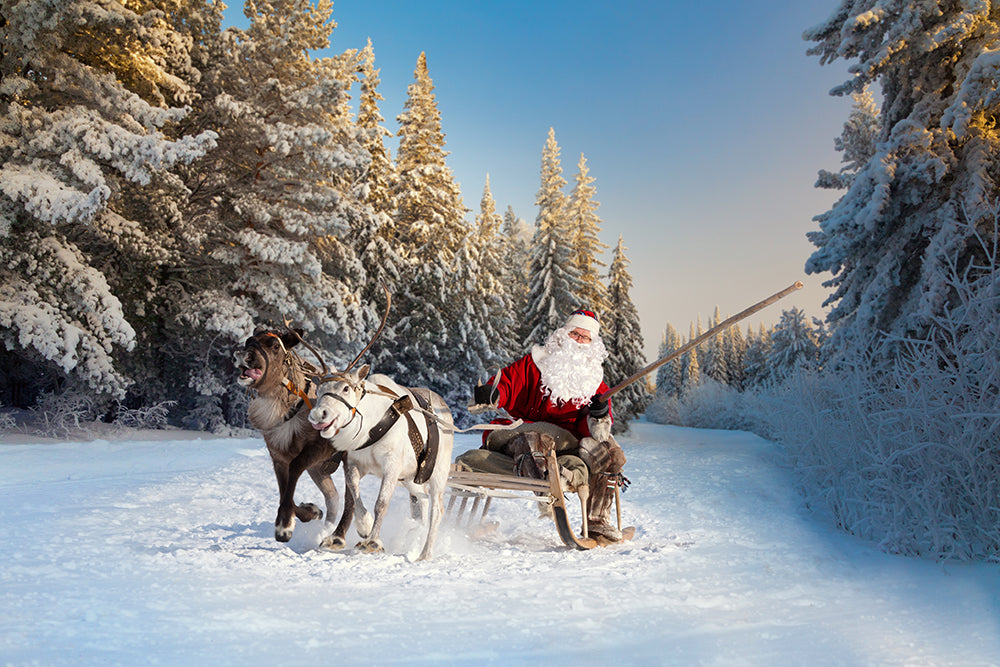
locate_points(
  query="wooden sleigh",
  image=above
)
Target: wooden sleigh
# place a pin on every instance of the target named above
(483, 487)
(487, 486)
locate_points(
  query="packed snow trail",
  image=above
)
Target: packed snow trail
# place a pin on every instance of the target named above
(162, 552)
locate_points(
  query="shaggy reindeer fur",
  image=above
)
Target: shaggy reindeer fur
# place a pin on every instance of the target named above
(347, 409)
(266, 363)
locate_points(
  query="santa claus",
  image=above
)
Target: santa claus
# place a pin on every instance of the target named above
(556, 390)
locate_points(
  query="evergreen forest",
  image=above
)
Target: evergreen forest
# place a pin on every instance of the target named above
(167, 185)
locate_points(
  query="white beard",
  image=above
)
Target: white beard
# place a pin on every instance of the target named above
(571, 372)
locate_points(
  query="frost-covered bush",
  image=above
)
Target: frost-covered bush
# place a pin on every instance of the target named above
(69, 412)
(901, 442)
(152, 417)
(663, 409)
(223, 414)
(709, 404)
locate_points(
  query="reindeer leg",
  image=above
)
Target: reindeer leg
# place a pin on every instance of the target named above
(417, 512)
(373, 544)
(338, 539)
(331, 497)
(284, 522)
(330, 494)
(435, 496)
(306, 461)
(288, 476)
(340, 533)
(335, 540)
(352, 482)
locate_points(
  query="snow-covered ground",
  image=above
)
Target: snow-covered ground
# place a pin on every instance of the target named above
(161, 552)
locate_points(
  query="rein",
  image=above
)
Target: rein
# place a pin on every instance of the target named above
(402, 406)
(387, 393)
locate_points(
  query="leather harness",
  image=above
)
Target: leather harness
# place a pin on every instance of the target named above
(425, 452)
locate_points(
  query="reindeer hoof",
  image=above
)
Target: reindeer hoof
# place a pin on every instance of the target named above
(308, 512)
(283, 534)
(333, 542)
(370, 547)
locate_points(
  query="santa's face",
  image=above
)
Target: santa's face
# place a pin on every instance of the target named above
(571, 365)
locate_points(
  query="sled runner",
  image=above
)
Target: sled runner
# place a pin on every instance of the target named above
(483, 487)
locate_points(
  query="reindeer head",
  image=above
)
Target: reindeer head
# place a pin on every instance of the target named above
(337, 401)
(265, 358)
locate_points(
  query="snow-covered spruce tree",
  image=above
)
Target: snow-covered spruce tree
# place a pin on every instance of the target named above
(668, 377)
(517, 239)
(665, 406)
(380, 177)
(483, 319)
(755, 359)
(857, 142)
(429, 209)
(495, 284)
(622, 335)
(711, 356)
(277, 196)
(794, 346)
(293, 155)
(582, 220)
(90, 96)
(889, 240)
(554, 287)
(734, 349)
(430, 226)
(374, 238)
(690, 362)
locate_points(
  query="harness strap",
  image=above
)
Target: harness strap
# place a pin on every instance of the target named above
(428, 455)
(398, 408)
(290, 386)
(417, 443)
(425, 452)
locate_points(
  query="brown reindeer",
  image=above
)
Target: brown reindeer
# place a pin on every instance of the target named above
(280, 410)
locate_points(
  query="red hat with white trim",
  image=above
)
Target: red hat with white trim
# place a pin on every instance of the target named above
(584, 319)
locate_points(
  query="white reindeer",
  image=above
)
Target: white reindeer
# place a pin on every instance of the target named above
(380, 425)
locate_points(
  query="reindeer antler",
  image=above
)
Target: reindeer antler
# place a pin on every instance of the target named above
(319, 357)
(342, 375)
(385, 318)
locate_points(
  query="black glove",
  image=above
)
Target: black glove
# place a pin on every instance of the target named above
(599, 407)
(485, 394)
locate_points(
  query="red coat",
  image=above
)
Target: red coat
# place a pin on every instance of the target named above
(521, 395)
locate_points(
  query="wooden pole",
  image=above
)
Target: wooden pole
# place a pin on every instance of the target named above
(618, 504)
(722, 326)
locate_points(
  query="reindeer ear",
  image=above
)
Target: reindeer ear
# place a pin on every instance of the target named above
(290, 339)
(363, 372)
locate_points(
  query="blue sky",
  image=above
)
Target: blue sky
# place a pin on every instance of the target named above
(704, 125)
